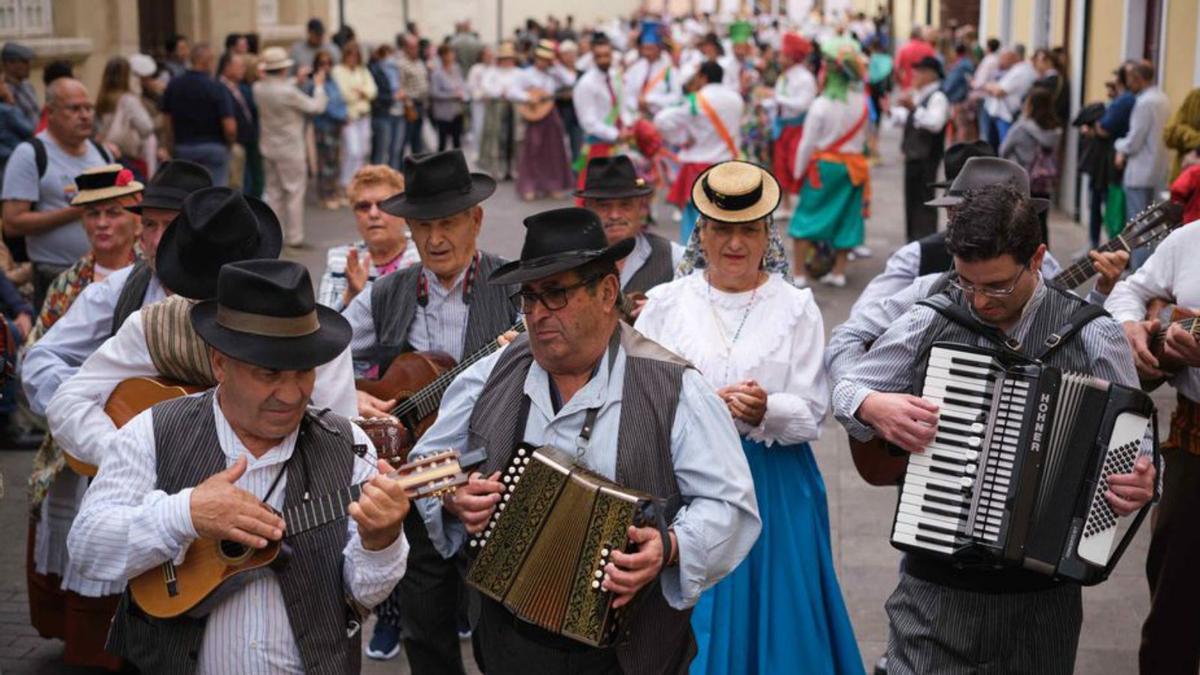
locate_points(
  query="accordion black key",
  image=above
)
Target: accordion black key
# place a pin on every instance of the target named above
(1017, 472)
(543, 553)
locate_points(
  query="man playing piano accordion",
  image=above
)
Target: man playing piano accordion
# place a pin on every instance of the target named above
(1011, 619)
(587, 384)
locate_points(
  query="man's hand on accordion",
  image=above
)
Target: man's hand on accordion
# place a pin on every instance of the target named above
(1128, 492)
(474, 502)
(629, 572)
(907, 421)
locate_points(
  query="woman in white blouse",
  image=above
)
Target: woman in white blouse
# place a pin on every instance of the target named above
(759, 342)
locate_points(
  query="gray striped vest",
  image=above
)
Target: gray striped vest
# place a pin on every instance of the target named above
(187, 452)
(394, 303)
(132, 293)
(657, 639)
(658, 268)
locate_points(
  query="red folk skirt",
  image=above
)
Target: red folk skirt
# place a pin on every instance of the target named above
(784, 158)
(681, 190)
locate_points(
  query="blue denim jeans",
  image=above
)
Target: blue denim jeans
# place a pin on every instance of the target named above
(212, 156)
(387, 136)
(1137, 199)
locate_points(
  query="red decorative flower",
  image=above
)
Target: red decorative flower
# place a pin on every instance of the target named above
(124, 177)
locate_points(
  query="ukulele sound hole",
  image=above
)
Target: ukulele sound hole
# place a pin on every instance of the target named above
(234, 552)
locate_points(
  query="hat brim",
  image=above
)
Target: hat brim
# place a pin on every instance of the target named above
(519, 272)
(618, 193)
(160, 202)
(275, 353)
(202, 284)
(85, 197)
(444, 204)
(276, 66)
(947, 200)
(765, 206)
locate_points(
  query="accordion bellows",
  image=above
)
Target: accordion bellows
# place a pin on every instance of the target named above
(543, 553)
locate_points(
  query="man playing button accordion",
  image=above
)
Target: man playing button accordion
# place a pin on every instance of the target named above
(221, 466)
(624, 408)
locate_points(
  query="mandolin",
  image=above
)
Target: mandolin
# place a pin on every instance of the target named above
(878, 462)
(1155, 222)
(538, 107)
(1170, 315)
(418, 380)
(212, 570)
(130, 398)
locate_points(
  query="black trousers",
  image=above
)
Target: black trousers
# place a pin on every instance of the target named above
(427, 603)
(44, 274)
(449, 131)
(513, 648)
(919, 220)
(1169, 636)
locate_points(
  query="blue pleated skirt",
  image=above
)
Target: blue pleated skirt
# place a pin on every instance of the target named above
(781, 610)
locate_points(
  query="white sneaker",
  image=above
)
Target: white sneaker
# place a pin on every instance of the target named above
(676, 215)
(835, 280)
(800, 281)
(860, 252)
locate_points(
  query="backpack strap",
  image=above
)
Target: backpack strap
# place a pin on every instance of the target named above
(102, 150)
(942, 304)
(1075, 323)
(39, 156)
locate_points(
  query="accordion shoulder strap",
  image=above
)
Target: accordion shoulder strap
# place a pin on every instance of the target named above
(1081, 317)
(947, 307)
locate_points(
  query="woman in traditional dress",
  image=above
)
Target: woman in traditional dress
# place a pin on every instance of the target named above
(496, 140)
(544, 167)
(795, 91)
(759, 341)
(830, 165)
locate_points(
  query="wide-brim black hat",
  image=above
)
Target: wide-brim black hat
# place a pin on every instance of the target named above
(931, 63)
(437, 185)
(613, 178)
(557, 241)
(216, 226)
(173, 182)
(265, 314)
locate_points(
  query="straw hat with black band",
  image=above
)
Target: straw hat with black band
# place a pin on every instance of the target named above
(736, 192)
(265, 314)
(102, 183)
(216, 225)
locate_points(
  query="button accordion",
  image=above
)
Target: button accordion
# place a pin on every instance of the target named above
(543, 552)
(1017, 472)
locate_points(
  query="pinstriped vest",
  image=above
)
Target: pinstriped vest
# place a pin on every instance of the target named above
(657, 639)
(658, 268)
(394, 303)
(187, 452)
(133, 293)
(175, 348)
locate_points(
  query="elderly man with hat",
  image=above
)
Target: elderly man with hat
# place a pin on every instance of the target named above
(543, 167)
(918, 269)
(283, 110)
(621, 198)
(443, 304)
(795, 91)
(923, 145)
(62, 604)
(580, 378)
(230, 465)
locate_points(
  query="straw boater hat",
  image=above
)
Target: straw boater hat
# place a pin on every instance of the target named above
(101, 183)
(735, 192)
(546, 49)
(506, 51)
(276, 58)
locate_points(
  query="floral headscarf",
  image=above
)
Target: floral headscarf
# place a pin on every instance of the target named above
(774, 259)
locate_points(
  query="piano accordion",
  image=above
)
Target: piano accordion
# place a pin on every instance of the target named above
(542, 554)
(1016, 475)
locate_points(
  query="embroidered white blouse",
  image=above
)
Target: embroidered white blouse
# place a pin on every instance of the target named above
(781, 346)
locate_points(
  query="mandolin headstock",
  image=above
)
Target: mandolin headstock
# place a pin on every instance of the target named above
(431, 476)
(392, 440)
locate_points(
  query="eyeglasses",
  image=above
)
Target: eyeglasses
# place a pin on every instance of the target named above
(552, 299)
(365, 206)
(988, 291)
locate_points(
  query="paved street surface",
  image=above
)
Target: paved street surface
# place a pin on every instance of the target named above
(860, 515)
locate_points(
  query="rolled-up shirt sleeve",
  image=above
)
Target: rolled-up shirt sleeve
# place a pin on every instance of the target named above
(719, 521)
(1128, 299)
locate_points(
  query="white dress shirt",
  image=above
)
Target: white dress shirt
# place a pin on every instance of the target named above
(76, 413)
(719, 522)
(688, 125)
(795, 91)
(72, 339)
(499, 81)
(660, 93)
(780, 346)
(533, 78)
(1016, 82)
(1171, 272)
(1145, 154)
(594, 104)
(827, 121)
(935, 113)
(126, 527)
(641, 253)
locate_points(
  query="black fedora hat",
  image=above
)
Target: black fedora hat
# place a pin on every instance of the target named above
(216, 226)
(613, 178)
(981, 172)
(559, 240)
(173, 182)
(437, 185)
(957, 156)
(931, 63)
(266, 314)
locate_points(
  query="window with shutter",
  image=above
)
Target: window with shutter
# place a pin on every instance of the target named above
(26, 18)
